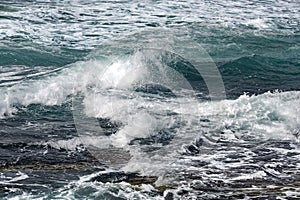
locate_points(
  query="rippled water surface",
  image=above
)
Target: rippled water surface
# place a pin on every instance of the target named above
(149, 99)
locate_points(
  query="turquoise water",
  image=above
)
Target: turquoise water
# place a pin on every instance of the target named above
(149, 100)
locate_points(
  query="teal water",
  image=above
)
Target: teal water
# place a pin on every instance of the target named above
(95, 95)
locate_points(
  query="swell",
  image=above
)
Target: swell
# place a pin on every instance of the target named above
(258, 74)
(14, 54)
(51, 85)
(15, 74)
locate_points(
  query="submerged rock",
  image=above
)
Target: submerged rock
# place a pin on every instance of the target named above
(22, 156)
(132, 178)
(156, 89)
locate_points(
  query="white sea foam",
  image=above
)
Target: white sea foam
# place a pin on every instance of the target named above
(256, 175)
(108, 90)
(257, 23)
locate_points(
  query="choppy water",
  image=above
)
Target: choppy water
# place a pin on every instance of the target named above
(112, 100)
